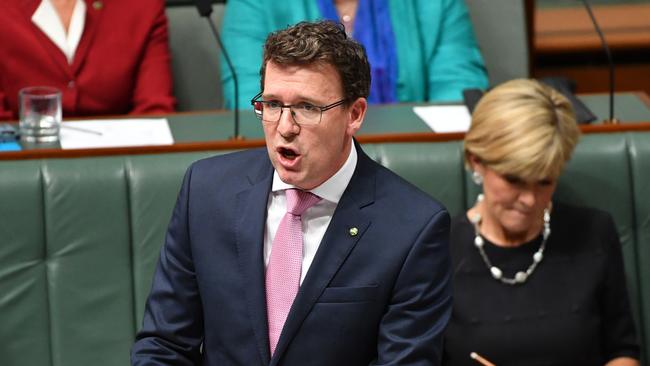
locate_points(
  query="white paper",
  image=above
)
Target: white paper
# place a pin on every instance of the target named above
(115, 133)
(445, 118)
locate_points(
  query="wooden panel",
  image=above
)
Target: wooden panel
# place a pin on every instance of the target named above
(566, 44)
(595, 78)
(570, 29)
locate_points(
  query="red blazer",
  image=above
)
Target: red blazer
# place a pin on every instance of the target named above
(121, 65)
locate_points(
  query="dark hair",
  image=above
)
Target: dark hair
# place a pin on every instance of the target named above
(321, 42)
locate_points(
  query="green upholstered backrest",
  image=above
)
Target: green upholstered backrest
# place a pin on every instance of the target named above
(434, 167)
(639, 160)
(195, 56)
(80, 237)
(504, 45)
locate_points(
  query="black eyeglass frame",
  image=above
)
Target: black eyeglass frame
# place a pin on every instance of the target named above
(293, 116)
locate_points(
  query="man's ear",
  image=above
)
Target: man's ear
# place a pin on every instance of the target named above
(356, 114)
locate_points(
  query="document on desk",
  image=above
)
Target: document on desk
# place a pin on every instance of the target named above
(445, 118)
(115, 133)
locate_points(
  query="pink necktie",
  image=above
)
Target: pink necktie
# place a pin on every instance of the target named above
(284, 269)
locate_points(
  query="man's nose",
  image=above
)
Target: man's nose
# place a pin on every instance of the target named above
(287, 126)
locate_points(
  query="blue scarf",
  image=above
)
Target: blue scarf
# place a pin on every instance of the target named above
(374, 30)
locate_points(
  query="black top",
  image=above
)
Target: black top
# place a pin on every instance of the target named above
(573, 309)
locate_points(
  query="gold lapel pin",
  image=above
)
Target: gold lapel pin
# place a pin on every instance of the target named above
(98, 5)
(354, 231)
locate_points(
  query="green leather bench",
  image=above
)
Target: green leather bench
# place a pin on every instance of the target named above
(80, 237)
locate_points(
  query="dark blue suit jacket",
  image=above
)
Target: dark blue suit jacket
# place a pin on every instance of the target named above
(379, 297)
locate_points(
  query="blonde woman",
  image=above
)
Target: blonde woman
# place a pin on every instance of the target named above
(535, 282)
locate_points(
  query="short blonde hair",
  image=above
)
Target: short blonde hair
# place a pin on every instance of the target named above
(523, 128)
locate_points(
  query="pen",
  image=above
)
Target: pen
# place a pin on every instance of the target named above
(481, 360)
(81, 129)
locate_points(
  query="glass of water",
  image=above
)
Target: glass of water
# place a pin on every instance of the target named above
(40, 114)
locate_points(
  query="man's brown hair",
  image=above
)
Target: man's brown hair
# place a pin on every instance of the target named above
(321, 42)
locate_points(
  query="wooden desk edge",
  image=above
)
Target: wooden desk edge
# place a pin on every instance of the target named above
(182, 147)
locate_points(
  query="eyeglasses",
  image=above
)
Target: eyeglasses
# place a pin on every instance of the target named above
(302, 113)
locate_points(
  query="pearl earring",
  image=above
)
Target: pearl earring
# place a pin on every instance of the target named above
(477, 178)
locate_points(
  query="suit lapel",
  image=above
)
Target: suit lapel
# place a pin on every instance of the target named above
(249, 231)
(28, 7)
(335, 247)
(93, 17)
(94, 11)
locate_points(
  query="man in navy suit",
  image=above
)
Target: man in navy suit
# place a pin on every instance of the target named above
(372, 281)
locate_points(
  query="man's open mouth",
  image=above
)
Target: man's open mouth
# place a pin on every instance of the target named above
(287, 153)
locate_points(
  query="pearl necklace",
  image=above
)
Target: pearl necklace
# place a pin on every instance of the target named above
(348, 23)
(497, 273)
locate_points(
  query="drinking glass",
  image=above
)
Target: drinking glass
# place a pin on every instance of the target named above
(40, 114)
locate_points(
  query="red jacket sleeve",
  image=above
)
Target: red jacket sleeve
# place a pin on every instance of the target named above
(153, 85)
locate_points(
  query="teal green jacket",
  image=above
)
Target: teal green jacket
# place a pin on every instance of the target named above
(437, 53)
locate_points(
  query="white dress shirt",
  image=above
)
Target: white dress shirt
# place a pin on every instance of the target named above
(47, 20)
(316, 219)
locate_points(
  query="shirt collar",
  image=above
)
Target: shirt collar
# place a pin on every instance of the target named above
(333, 188)
(47, 20)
